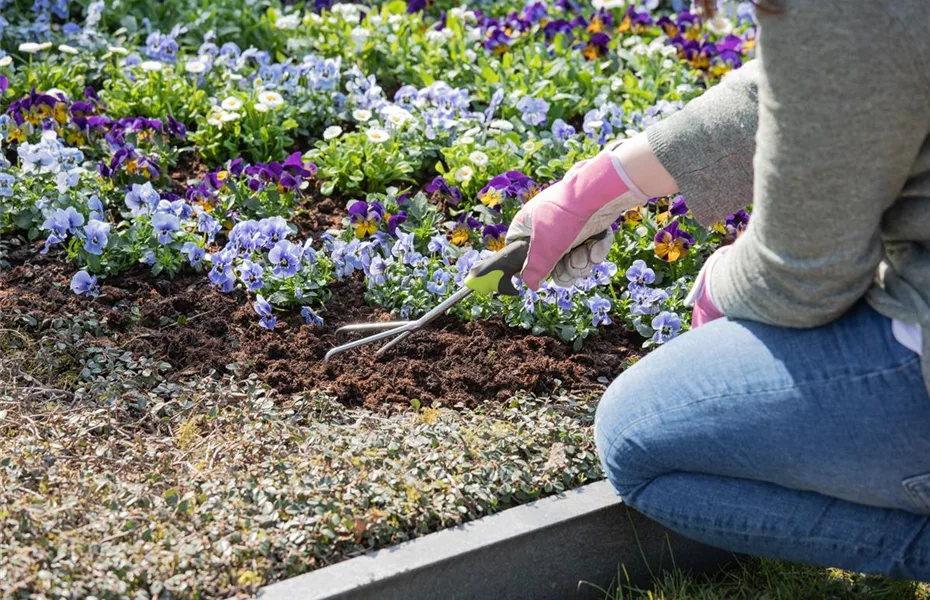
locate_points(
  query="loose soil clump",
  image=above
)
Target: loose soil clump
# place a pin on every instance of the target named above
(197, 330)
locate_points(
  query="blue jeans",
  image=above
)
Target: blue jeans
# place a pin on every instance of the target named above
(805, 445)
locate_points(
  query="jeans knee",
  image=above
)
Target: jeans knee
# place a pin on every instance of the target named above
(618, 432)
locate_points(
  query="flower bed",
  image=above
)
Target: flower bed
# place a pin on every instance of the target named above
(194, 194)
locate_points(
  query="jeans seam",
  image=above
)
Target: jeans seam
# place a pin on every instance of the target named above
(910, 361)
(919, 499)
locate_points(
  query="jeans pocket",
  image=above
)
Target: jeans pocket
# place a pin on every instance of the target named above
(918, 489)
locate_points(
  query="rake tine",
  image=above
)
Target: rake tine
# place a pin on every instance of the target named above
(383, 349)
(371, 326)
(367, 340)
(402, 329)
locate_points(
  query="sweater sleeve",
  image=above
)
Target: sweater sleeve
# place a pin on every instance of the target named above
(708, 146)
(842, 114)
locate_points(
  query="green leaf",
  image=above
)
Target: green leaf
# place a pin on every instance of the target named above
(279, 299)
(129, 22)
(397, 7)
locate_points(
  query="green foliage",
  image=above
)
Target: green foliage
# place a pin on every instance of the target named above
(757, 578)
(210, 486)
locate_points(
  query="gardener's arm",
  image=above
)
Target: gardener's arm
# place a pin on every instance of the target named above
(829, 160)
(703, 151)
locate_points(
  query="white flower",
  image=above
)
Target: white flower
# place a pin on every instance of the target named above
(462, 13)
(67, 49)
(478, 158)
(331, 132)
(6, 61)
(118, 50)
(720, 25)
(231, 103)
(378, 135)
(668, 64)
(359, 35)
(528, 146)
(361, 114)
(465, 140)
(640, 50)
(215, 119)
(32, 47)
(228, 115)
(396, 115)
(151, 66)
(349, 12)
(262, 108)
(195, 66)
(502, 125)
(288, 21)
(608, 4)
(632, 41)
(439, 37)
(464, 173)
(271, 99)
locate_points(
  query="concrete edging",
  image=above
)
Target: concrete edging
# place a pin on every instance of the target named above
(541, 550)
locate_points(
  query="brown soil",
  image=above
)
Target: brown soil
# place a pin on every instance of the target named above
(321, 215)
(197, 329)
(190, 167)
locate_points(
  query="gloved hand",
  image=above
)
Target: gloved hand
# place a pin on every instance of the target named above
(700, 297)
(568, 223)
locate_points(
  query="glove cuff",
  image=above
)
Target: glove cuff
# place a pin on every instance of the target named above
(612, 151)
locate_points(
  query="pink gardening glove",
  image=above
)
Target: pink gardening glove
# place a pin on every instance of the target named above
(566, 222)
(701, 298)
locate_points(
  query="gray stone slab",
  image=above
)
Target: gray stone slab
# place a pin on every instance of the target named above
(566, 546)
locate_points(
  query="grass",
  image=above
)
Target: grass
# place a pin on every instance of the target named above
(751, 578)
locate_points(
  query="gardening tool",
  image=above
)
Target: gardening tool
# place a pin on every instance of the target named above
(494, 274)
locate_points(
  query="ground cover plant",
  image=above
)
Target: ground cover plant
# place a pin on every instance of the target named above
(194, 196)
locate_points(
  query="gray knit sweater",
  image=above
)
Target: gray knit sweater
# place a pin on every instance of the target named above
(827, 134)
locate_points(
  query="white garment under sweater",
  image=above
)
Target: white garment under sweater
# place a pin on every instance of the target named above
(908, 334)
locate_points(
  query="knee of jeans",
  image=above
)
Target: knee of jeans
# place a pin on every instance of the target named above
(619, 434)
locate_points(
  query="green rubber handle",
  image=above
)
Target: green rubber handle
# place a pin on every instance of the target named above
(494, 274)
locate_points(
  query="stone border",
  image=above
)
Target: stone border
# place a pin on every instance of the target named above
(567, 546)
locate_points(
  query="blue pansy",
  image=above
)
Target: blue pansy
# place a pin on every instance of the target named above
(599, 308)
(194, 253)
(251, 275)
(165, 225)
(666, 326)
(96, 236)
(263, 308)
(310, 317)
(83, 283)
(285, 258)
